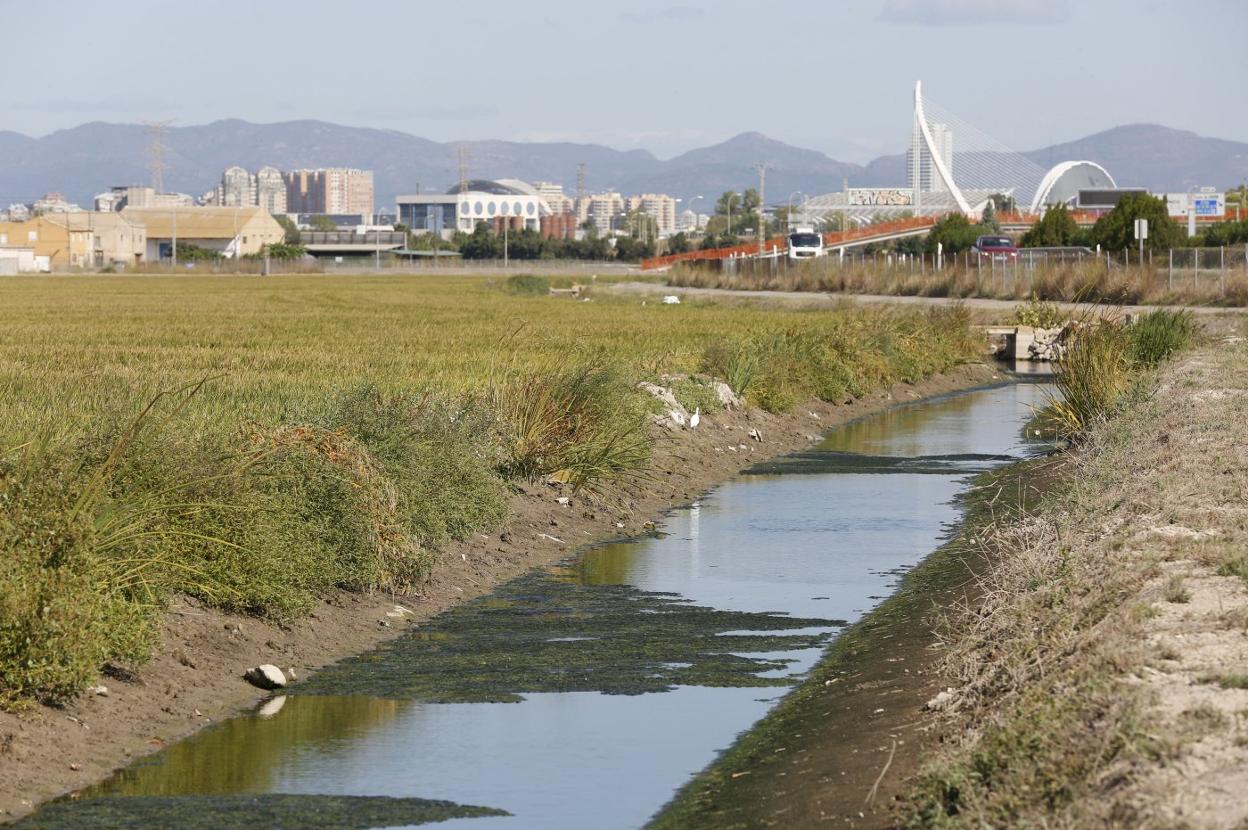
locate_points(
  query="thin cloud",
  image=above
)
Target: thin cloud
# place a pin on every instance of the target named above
(107, 104)
(976, 12)
(671, 14)
(466, 112)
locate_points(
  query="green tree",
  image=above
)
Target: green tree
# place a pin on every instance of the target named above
(482, 243)
(679, 244)
(749, 201)
(1057, 228)
(989, 217)
(728, 204)
(629, 249)
(288, 225)
(955, 233)
(1116, 229)
(1226, 233)
(321, 222)
(525, 244)
(283, 250)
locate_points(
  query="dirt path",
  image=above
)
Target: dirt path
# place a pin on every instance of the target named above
(196, 676)
(820, 298)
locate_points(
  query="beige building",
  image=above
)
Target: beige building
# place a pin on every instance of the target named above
(231, 231)
(553, 193)
(334, 190)
(659, 205)
(83, 239)
(114, 239)
(46, 237)
(601, 209)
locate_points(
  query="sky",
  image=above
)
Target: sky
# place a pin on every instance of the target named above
(668, 77)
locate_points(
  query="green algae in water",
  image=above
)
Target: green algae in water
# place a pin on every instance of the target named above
(823, 462)
(540, 633)
(246, 812)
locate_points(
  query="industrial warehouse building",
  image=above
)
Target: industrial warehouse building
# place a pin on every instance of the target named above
(231, 231)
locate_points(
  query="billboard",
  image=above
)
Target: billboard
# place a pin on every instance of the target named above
(880, 196)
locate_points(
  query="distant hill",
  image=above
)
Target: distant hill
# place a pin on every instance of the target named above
(90, 158)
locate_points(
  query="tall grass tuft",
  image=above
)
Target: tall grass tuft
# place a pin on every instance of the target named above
(580, 423)
(1157, 335)
(1091, 376)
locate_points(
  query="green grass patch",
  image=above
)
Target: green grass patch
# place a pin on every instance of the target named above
(1159, 334)
(528, 284)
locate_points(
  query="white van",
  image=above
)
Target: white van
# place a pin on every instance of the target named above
(804, 243)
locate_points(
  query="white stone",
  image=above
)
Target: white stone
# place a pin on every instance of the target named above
(266, 676)
(727, 397)
(671, 299)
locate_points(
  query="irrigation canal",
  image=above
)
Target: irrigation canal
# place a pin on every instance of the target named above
(586, 694)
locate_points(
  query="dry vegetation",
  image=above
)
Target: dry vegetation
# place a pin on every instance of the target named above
(258, 442)
(1087, 282)
(1099, 681)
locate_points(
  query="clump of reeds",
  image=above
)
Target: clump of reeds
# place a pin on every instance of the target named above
(1091, 375)
(578, 422)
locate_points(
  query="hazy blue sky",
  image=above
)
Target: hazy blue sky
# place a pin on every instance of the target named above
(833, 76)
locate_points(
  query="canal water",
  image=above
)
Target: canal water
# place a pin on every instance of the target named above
(586, 694)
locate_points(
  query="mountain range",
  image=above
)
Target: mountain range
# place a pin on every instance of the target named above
(85, 160)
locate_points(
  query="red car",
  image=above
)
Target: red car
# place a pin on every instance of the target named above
(995, 248)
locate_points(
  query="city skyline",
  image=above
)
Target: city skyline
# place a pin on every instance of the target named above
(833, 77)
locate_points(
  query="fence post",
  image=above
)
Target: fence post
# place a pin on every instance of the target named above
(1170, 273)
(1222, 270)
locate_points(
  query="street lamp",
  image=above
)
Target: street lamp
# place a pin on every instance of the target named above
(789, 215)
(695, 213)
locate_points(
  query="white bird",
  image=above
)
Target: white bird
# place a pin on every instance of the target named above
(695, 418)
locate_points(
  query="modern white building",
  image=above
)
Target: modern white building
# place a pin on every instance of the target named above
(496, 203)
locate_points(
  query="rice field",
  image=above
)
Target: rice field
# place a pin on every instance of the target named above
(257, 442)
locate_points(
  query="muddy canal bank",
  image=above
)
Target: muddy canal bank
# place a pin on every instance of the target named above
(846, 743)
(195, 679)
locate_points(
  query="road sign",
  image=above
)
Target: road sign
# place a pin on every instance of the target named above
(1141, 229)
(1208, 206)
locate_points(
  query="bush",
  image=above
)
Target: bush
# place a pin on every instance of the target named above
(1038, 314)
(528, 284)
(65, 609)
(1159, 334)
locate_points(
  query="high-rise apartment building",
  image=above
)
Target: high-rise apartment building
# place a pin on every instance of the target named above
(271, 190)
(601, 209)
(554, 196)
(659, 205)
(335, 190)
(238, 188)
